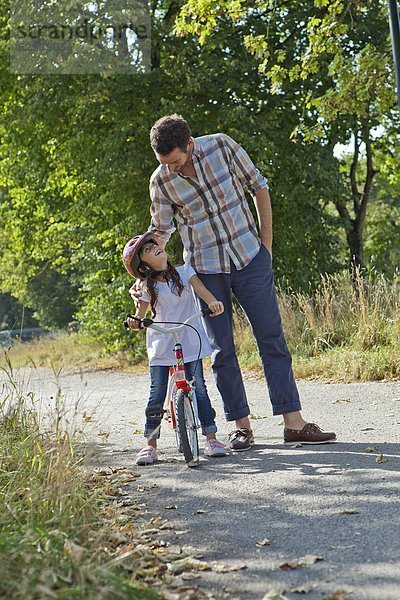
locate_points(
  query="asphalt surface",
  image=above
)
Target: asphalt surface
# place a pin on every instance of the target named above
(273, 504)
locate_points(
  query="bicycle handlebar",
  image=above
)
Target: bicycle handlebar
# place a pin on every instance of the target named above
(156, 326)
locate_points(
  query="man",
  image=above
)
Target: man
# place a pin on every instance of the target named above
(200, 184)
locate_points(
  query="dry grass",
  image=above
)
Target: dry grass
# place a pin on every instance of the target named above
(59, 530)
(66, 350)
(337, 333)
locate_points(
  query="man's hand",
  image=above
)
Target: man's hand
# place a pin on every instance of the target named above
(216, 307)
(160, 238)
(268, 247)
(136, 291)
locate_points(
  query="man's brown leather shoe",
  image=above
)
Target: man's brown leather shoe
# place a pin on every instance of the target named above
(310, 434)
(241, 439)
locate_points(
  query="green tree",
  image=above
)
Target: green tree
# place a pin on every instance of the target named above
(13, 315)
(338, 55)
(75, 161)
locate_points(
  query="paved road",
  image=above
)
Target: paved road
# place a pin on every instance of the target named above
(334, 501)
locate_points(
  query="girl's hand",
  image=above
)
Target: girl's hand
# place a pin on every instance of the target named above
(216, 307)
(133, 324)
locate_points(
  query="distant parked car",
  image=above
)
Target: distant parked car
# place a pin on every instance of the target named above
(5, 339)
(27, 333)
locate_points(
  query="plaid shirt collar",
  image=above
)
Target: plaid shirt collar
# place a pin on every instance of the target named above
(197, 149)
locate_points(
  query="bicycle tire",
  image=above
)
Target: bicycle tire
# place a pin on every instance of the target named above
(186, 428)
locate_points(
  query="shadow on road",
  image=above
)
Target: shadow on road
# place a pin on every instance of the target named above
(334, 501)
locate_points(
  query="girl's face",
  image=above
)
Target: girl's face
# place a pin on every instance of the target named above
(154, 257)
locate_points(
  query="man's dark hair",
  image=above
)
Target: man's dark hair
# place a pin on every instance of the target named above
(168, 133)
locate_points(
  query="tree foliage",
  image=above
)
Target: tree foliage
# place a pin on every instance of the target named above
(75, 159)
(338, 56)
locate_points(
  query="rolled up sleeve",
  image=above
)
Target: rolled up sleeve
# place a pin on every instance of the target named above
(162, 213)
(245, 169)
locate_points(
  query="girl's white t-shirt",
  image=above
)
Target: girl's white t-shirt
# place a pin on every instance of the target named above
(171, 307)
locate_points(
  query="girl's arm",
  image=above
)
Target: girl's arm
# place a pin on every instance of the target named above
(140, 314)
(213, 304)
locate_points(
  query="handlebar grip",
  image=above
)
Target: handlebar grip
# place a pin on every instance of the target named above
(131, 317)
(142, 322)
(206, 311)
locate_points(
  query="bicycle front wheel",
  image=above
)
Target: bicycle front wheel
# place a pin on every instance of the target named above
(186, 428)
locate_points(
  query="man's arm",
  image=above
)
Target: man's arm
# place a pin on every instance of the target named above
(248, 174)
(264, 214)
(257, 184)
(162, 215)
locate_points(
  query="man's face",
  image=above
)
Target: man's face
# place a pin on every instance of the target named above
(176, 159)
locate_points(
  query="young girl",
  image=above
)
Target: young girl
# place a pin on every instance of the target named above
(168, 291)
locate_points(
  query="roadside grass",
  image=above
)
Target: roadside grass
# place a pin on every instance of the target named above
(61, 528)
(68, 350)
(340, 332)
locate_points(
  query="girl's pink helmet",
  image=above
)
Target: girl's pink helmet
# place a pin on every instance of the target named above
(130, 255)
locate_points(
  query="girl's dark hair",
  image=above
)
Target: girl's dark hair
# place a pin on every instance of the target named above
(171, 275)
(168, 133)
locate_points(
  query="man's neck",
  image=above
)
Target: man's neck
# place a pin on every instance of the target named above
(188, 169)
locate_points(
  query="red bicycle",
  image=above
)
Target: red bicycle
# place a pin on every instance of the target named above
(180, 405)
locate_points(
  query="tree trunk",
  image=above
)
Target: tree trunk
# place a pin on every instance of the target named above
(356, 251)
(355, 226)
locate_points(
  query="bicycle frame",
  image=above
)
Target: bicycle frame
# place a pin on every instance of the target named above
(174, 406)
(177, 375)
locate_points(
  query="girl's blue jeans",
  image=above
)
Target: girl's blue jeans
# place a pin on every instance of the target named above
(158, 390)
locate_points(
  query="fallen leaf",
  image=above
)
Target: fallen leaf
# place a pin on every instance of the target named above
(350, 511)
(74, 551)
(303, 561)
(177, 556)
(263, 542)
(189, 575)
(339, 400)
(87, 418)
(367, 429)
(371, 449)
(166, 526)
(103, 434)
(137, 432)
(200, 511)
(168, 595)
(303, 589)
(151, 531)
(258, 416)
(297, 445)
(171, 507)
(227, 569)
(274, 595)
(381, 459)
(103, 472)
(337, 595)
(182, 532)
(188, 564)
(132, 422)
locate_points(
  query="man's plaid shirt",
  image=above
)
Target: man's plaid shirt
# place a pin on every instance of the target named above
(212, 213)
